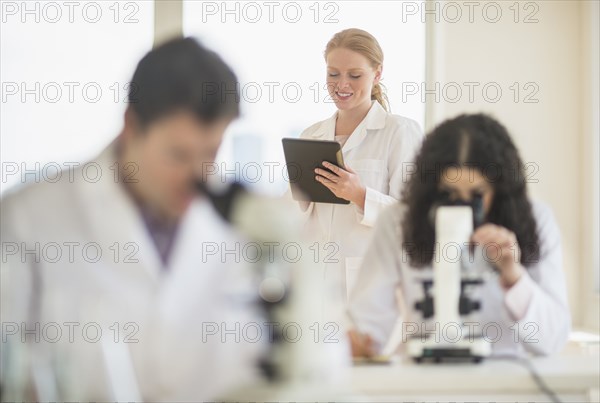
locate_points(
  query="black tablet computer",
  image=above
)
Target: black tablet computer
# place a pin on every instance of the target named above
(302, 157)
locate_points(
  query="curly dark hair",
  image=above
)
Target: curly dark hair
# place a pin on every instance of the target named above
(480, 142)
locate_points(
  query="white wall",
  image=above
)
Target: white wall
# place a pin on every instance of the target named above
(552, 133)
(590, 162)
(65, 74)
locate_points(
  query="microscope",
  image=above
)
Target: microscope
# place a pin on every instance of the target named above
(294, 369)
(445, 299)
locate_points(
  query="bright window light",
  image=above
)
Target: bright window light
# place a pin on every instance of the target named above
(276, 49)
(64, 69)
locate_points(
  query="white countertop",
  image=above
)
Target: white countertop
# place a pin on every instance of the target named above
(574, 376)
(575, 372)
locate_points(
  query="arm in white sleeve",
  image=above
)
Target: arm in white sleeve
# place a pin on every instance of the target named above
(538, 301)
(403, 147)
(373, 308)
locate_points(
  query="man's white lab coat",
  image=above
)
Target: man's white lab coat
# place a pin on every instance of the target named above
(78, 259)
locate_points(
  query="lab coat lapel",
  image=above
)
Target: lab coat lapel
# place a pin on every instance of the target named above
(374, 120)
(326, 131)
(115, 220)
(200, 233)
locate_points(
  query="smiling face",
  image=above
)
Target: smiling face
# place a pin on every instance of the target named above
(464, 183)
(350, 79)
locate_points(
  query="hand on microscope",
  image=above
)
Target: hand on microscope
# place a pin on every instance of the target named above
(362, 345)
(503, 251)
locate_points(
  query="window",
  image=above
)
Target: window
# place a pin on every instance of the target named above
(64, 69)
(276, 49)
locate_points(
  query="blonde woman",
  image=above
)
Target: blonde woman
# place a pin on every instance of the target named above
(376, 146)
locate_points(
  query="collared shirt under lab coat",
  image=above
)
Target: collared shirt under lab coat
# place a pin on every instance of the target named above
(171, 320)
(534, 311)
(380, 151)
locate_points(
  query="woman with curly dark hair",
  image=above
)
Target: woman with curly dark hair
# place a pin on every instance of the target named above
(466, 160)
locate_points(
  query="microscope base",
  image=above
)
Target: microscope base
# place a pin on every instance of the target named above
(428, 349)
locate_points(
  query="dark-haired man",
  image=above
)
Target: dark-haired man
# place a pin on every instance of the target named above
(114, 286)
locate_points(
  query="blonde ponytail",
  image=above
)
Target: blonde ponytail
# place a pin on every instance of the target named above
(378, 94)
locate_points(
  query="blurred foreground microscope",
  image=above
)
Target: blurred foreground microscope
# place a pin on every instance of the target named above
(295, 370)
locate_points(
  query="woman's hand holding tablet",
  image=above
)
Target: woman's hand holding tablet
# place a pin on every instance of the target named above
(344, 183)
(302, 158)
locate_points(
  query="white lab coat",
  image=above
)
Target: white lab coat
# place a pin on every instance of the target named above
(380, 151)
(169, 311)
(534, 311)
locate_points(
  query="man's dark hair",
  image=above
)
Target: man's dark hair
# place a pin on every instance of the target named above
(482, 143)
(182, 75)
